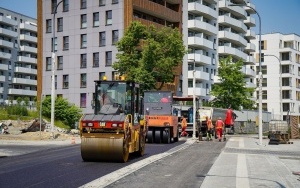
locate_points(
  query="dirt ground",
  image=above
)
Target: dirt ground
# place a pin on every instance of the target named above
(15, 133)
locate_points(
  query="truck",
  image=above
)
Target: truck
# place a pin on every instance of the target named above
(116, 128)
(162, 123)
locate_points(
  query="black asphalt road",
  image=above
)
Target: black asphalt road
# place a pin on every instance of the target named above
(60, 166)
(185, 169)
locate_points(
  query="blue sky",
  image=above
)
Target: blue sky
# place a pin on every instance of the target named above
(276, 15)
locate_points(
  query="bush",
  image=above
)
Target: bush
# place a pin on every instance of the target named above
(17, 110)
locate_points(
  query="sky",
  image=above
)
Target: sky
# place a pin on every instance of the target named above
(276, 15)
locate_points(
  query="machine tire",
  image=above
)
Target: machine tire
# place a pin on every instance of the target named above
(157, 136)
(177, 137)
(141, 151)
(166, 136)
(150, 136)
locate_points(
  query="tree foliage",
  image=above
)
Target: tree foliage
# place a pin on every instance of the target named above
(162, 51)
(232, 90)
(64, 111)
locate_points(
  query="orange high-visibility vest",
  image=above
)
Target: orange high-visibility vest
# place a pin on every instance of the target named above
(219, 124)
(209, 124)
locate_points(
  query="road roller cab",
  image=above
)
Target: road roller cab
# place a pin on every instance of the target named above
(116, 127)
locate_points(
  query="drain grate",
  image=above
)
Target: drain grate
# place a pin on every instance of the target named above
(262, 152)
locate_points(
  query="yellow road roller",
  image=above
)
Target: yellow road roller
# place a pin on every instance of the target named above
(117, 127)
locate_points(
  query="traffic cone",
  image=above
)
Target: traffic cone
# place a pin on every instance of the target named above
(73, 140)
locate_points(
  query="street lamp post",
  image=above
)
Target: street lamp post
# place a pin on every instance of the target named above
(280, 84)
(53, 72)
(259, 74)
(194, 101)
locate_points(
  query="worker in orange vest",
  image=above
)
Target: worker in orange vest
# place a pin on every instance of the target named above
(183, 127)
(209, 128)
(219, 128)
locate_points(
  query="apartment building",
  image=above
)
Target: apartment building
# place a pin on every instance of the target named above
(280, 67)
(84, 37)
(217, 30)
(18, 57)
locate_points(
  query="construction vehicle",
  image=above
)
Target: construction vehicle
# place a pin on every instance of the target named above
(116, 127)
(162, 123)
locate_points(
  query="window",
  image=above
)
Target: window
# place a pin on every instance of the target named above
(83, 80)
(108, 17)
(53, 5)
(108, 58)
(285, 81)
(65, 43)
(285, 69)
(82, 100)
(48, 63)
(286, 107)
(115, 36)
(59, 24)
(264, 69)
(286, 94)
(65, 5)
(101, 2)
(55, 44)
(95, 19)
(115, 75)
(83, 61)
(101, 75)
(83, 4)
(60, 62)
(83, 41)
(102, 38)
(263, 45)
(65, 81)
(83, 21)
(48, 26)
(285, 56)
(55, 81)
(115, 1)
(96, 59)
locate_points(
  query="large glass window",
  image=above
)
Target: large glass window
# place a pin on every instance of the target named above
(66, 43)
(83, 61)
(83, 21)
(108, 17)
(83, 41)
(83, 80)
(96, 19)
(102, 38)
(48, 63)
(59, 62)
(96, 59)
(59, 24)
(108, 58)
(65, 5)
(115, 36)
(48, 26)
(82, 100)
(65, 81)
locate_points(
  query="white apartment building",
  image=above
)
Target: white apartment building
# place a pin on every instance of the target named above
(18, 57)
(217, 30)
(280, 67)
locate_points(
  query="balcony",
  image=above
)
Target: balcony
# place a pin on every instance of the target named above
(227, 50)
(233, 37)
(1, 89)
(250, 60)
(199, 75)
(156, 10)
(198, 91)
(6, 44)
(8, 21)
(202, 27)
(206, 11)
(22, 92)
(25, 70)
(250, 22)
(200, 43)
(250, 85)
(3, 66)
(27, 59)
(28, 38)
(28, 27)
(237, 10)
(250, 47)
(249, 10)
(8, 33)
(200, 59)
(148, 22)
(24, 81)
(2, 78)
(248, 72)
(4, 55)
(250, 34)
(28, 49)
(234, 23)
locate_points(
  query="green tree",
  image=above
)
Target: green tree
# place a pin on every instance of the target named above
(148, 55)
(26, 101)
(64, 111)
(232, 90)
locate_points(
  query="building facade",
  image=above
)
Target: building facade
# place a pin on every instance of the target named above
(280, 67)
(18, 57)
(85, 33)
(217, 30)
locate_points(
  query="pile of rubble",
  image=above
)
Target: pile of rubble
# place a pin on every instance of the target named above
(32, 130)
